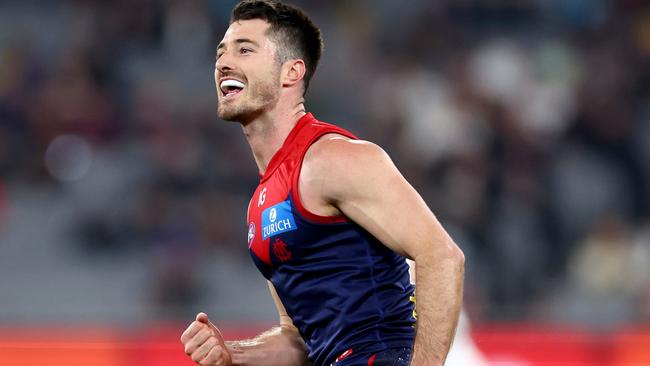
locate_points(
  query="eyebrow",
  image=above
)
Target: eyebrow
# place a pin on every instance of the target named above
(239, 41)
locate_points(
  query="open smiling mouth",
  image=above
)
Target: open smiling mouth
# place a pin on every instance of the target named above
(231, 87)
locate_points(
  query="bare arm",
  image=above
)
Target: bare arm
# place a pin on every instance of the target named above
(280, 346)
(359, 179)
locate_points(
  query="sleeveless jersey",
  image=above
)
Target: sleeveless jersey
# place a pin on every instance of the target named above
(344, 290)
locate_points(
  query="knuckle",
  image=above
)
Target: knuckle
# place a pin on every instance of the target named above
(218, 351)
(189, 332)
(196, 357)
(214, 358)
(185, 335)
(217, 347)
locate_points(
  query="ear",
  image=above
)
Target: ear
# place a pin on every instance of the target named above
(292, 72)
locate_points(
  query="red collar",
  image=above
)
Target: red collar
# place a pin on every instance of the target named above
(287, 145)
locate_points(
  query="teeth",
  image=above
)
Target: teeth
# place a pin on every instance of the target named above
(230, 83)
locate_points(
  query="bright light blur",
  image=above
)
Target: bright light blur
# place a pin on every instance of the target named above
(68, 158)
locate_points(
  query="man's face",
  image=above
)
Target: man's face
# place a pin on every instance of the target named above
(247, 71)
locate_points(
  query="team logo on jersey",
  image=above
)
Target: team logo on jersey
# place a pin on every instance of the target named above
(277, 219)
(280, 250)
(251, 233)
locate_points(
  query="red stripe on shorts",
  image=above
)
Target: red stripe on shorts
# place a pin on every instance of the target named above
(344, 355)
(371, 360)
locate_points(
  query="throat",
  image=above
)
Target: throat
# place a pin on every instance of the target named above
(264, 141)
(266, 136)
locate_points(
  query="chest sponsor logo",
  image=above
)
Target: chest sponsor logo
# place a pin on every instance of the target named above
(277, 219)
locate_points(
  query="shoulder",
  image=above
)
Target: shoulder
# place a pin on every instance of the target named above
(339, 163)
(333, 152)
(333, 149)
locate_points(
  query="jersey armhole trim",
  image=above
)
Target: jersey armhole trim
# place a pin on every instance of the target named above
(295, 183)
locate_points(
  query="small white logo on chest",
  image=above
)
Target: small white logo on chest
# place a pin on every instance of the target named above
(261, 198)
(273, 215)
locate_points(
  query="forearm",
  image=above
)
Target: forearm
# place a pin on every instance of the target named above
(281, 346)
(439, 300)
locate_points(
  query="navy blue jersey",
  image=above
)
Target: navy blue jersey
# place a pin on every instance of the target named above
(344, 290)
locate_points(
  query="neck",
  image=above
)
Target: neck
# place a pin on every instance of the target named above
(267, 132)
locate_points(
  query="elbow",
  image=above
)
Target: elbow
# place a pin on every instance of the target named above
(449, 253)
(454, 256)
(461, 262)
(458, 256)
(452, 252)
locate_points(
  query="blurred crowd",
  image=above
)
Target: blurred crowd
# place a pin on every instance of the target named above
(524, 124)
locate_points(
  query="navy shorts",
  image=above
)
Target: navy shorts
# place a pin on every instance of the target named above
(389, 357)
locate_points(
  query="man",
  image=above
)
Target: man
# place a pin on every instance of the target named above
(331, 221)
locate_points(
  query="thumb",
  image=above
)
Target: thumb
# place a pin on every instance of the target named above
(203, 318)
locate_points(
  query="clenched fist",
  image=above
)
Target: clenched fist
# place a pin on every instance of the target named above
(204, 344)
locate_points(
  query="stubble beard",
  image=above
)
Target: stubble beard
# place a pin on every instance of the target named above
(259, 98)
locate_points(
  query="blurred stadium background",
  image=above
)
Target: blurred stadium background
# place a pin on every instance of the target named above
(525, 124)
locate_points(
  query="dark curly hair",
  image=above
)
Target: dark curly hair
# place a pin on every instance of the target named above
(296, 35)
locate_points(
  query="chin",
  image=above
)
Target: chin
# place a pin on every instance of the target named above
(237, 115)
(226, 116)
(228, 112)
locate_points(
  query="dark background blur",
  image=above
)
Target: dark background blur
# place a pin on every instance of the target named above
(525, 125)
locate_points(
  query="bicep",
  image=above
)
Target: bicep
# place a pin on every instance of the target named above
(371, 191)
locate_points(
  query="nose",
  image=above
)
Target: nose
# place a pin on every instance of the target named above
(224, 63)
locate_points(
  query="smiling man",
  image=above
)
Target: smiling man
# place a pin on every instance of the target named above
(331, 222)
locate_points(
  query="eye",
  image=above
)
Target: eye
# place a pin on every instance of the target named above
(218, 55)
(244, 51)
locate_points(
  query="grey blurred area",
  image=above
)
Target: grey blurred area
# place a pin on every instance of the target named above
(525, 125)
